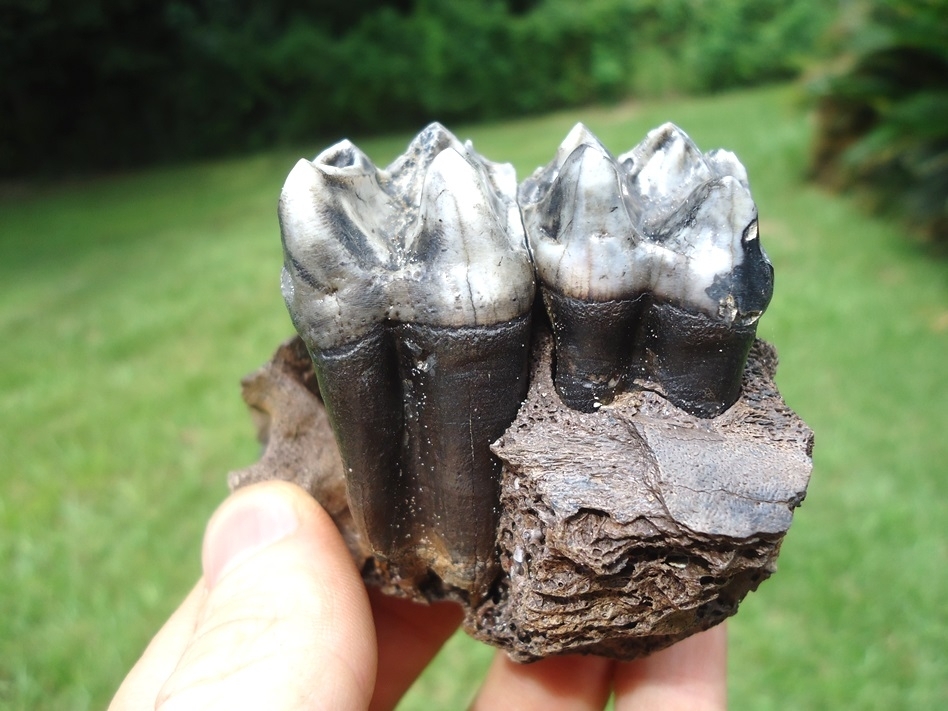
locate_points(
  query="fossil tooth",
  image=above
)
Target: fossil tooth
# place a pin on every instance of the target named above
(632, 254)
(412, 288)
(709, 276)
(558, 528)
(701, 226)
(336, 271)
(582, 234)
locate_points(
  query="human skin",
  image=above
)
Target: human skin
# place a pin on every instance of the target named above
(282, 620)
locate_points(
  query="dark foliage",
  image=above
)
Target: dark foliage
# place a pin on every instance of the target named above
(883, 117)
(98, 84)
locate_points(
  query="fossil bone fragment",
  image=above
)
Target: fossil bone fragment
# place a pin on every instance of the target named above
(412, 287)
(650, 268)
(623, 489)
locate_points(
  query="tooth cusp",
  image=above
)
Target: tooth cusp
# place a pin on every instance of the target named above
(348, 227)
(577, 220)
(665, 167)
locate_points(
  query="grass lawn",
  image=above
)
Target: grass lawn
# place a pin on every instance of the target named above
(130, 307)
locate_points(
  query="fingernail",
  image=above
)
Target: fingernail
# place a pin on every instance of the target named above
(242, 527)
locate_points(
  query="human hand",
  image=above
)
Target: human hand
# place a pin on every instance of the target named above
(281, 620)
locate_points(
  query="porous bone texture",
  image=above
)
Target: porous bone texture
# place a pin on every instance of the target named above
(626, 530)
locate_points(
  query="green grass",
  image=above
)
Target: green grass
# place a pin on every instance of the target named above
(130, 307)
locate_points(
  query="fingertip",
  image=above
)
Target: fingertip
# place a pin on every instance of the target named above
(257, 516)
(286, 614)
(245, 523)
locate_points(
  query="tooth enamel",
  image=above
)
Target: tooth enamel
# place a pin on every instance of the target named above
(422, 263)
(701, 244)
(325, 242)
(581, 230)
(665, 166)
(439, 204)
(471, 241)
(723, 163)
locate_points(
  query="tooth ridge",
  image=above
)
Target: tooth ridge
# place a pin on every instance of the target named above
(664, 168)
(578, 137)
(579, 227)
(469, 230)
(724, 162)
(404, 177)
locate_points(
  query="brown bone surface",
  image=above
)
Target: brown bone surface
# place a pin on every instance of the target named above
(621, 531)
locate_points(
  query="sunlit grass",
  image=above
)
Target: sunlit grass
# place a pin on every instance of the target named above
(130, 306)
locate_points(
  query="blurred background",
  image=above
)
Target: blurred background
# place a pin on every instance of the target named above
(142, 150)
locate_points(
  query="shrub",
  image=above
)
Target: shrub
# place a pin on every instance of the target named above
(112, 83)
(882, 115)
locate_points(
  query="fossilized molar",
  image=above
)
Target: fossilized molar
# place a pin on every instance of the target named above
(650, 268)
(413, 289)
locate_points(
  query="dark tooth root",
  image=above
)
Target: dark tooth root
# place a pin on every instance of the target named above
(697, 362)
(463, 389)
(603, 348)
(594, 347)
(414, 409)
(359, 383)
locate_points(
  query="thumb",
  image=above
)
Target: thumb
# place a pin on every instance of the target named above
(285, 623)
